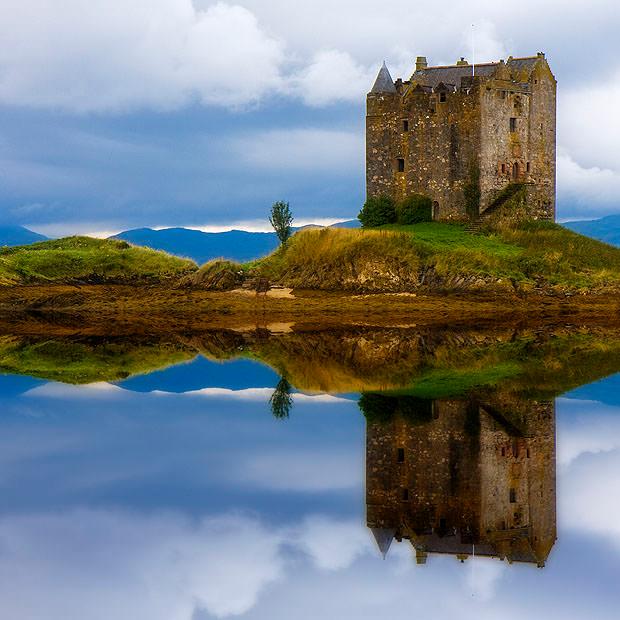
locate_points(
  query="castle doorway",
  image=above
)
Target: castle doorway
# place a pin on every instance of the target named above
(515, 171)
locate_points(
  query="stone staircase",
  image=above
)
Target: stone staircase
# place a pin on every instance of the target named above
(475, 225)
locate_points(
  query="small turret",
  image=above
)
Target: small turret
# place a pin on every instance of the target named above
(462, 62)
(384, 82)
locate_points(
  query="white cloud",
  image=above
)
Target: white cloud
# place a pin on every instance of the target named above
(332, 76)
(586, 193)
(113, 55)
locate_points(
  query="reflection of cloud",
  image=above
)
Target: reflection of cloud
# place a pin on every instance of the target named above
(334, 545)
(101, 565)
(63, 390)
(590, 495)
(589, 455)
(585, 427)
(109, 390)
(299, 470)
(482, 577)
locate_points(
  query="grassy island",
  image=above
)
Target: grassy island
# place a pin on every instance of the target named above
(427, 272)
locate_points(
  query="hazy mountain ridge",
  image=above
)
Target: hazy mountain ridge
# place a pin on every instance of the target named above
(606, 229)
(237, 245)
(18, 235)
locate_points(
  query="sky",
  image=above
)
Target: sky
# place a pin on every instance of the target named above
(116, 114)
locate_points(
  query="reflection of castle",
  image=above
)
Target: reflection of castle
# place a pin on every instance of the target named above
(462, 478)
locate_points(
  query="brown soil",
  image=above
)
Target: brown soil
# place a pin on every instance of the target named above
(117, 309)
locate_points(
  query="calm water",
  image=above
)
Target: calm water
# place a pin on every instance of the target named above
(358, 474)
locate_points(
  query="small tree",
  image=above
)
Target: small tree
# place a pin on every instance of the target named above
(415, 208)
(281, 400)
(378, 210)
(281, 219)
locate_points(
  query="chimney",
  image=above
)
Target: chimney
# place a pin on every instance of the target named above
(462, 62)
(420, 63)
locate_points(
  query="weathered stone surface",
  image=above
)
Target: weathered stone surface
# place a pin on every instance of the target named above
(446, 138)
(466, 476)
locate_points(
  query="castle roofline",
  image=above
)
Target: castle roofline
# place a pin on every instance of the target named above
(480, 64)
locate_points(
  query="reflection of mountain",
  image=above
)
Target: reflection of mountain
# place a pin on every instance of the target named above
(458, 477)
(408, 361)
(200, 373)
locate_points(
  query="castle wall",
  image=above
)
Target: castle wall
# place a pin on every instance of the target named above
(439, 148)
(467, 476)
(466, 139)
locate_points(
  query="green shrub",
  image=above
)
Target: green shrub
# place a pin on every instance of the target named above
(415, 209)
(377, 211)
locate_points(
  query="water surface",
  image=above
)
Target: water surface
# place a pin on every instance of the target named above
(352, 474)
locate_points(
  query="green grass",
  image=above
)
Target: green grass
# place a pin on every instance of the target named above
(83, 259)
(81, 361)
(443, 256)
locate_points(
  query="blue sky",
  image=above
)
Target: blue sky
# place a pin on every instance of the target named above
(164, 112)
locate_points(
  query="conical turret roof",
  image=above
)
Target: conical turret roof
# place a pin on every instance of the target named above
(384, 82)
(384, 538)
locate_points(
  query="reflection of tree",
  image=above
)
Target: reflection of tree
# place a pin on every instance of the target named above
(281, 400)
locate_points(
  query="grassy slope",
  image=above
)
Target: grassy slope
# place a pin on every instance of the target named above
(80, 362)
(397, 257)
(82, 259)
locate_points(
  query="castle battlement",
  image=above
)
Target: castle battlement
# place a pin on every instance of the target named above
(452, 129)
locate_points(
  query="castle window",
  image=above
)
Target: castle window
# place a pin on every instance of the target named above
(513, 124)
(442, 97)
(401, 455)
(513, 496)
(405, 494)
(527, 453)
(401, 164)
(515, 171)
(435, 216)
(528, 167)
(405, 125)
(503, 168)
(503, 451)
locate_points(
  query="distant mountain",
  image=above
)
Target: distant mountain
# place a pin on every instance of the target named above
(347, 224)
(201, 247)
(18, 235)
(606, 229)
(237, 245)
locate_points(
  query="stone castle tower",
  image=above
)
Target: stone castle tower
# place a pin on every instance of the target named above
(461, 134)
(464, 478)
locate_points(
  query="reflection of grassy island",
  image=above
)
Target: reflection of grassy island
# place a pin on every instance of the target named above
(399, 363)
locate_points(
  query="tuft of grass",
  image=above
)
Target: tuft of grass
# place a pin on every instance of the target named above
(87, 260)
(343, 259)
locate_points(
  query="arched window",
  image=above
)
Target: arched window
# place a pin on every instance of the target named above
(515, 171)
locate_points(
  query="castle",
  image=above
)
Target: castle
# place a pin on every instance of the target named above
(463, 478)
(465, 135)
